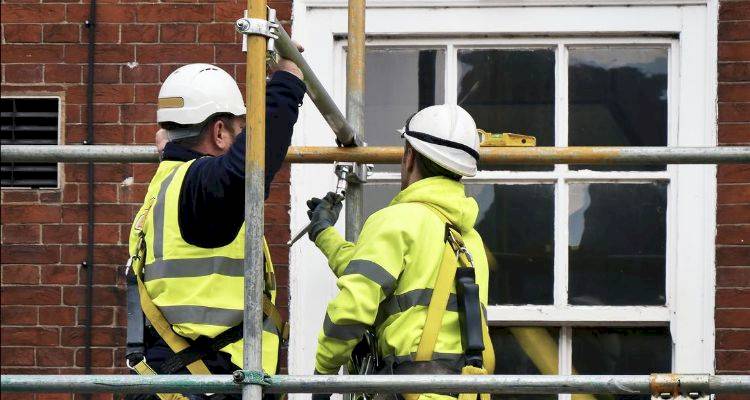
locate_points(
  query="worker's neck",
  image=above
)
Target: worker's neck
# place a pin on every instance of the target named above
(206, 148)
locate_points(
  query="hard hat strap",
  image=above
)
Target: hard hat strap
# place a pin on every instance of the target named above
(425, 137)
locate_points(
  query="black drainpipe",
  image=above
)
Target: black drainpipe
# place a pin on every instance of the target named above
(89, 263)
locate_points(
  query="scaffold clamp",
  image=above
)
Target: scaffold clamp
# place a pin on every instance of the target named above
(257, 26)
(251, 378)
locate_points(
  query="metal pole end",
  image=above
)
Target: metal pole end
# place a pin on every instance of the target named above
(238, 376)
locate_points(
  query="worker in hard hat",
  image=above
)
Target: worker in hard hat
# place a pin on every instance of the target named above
(388, 278)
(187, 241)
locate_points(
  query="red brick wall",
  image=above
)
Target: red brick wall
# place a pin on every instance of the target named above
(733, 210)
(44, 232)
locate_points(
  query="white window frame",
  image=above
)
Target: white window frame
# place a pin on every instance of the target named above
(689, 33)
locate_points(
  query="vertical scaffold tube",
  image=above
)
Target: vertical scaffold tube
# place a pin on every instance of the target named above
(355, 108)
(255, 95)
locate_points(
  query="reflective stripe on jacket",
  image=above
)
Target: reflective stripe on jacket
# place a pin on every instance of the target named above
(200, 291)
(386, 278)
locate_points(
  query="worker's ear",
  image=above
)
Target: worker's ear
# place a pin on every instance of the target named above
(408, 166)
(221, 135)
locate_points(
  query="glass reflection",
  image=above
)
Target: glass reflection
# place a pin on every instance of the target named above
(525, 351)
(510, 91)
(516, 223)
(399, 83)
(621, 351)
(617, 244)
(618, 97)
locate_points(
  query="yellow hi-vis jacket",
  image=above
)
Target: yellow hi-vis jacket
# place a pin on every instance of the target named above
(199, 291)
(386, 278)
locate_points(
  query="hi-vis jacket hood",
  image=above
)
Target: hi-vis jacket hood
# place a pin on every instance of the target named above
(445, 194)
(386, 278)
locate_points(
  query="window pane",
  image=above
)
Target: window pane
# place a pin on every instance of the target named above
(378, 195)
(516, 223)
(621, 351)
(399, 83)
(618, 97)
(510, 91)
(617, 243)
(525, 351)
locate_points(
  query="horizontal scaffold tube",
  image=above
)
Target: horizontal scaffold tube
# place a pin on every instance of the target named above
(392, 155)
(528, 384)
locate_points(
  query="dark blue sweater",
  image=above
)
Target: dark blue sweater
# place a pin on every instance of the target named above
(212, 198)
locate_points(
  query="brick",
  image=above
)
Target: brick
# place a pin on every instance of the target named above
(22, 33)
(166, 69)
(60, 274)
(734, 10)
(216, 33)
(57, 316)
(18, 315)
(62, 33)
(29, 336)
(229, 53)
(20, 274)
(734, 72)
(138, 112)
(103, 234)
(32, 53)
(733, 234)
(100, 357)
(733, 298)
(102, 94)
(70, 193)
(733, 318)
(105, 73)
(38, 13)
(104, 113)
(277, 234)
(49, 196)
(734, 92)
(732, 360)
(19, 196)
(279, 194)
(103, 316)
(734, 51)
(733, 214)
(100, 336)
(177, 33)
(733, 173)
(175, 13)
(134, 193)
(734, 30)
(175, 53)
(147, 94)
(63, 73)
(30, 295)
(26, 214)
(20, 233)
(105, 13)
(734, 112)
(733, 277)
(106, 33)
(732, 339)
(23, 73)
(229, 11)
(734, 194)
(61, 234)
(734, 133)
(105, 53)
(141, 74)
(103, 295)
(17, 356)
(57, 357)
(23, 254)
(140, 33)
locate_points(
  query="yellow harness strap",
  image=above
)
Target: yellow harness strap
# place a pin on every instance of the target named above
(439, 302)
(142, 368)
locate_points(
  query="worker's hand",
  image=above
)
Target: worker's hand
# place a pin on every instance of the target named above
(323, 213)
(289, 65)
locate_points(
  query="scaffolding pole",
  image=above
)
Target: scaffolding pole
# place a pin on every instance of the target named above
(255, 151)
(392, 155)
(657, 384)
(355, 114)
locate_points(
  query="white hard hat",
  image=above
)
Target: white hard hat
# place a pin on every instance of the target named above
(447, 135)
(194, 92)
